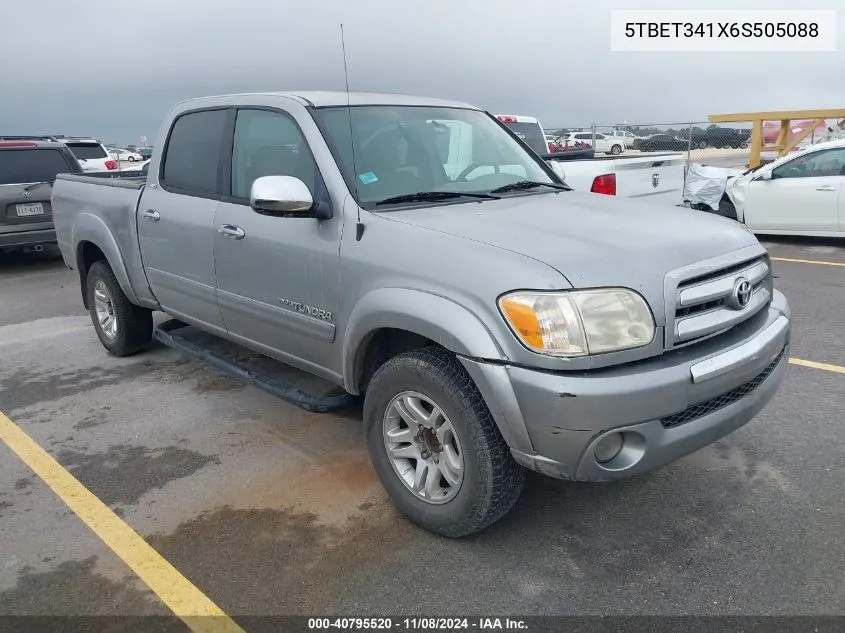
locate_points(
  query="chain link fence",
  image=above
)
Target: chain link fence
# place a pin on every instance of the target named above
(700, 141)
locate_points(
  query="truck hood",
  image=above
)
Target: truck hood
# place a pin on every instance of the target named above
(591, 239)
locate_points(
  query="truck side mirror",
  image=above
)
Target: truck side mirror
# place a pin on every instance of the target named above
(281, 195)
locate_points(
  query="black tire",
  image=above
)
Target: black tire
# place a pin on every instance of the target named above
(492, 480)
(616, 150)
(134, 324)
(726, 208)
(702, 145)
(131, 159)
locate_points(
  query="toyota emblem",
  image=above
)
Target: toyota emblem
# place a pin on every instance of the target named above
(741, 295)
(26, 194)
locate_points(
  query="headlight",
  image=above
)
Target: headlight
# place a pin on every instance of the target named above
(579, 322)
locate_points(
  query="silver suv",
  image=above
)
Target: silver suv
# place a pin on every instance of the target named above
(28, 168)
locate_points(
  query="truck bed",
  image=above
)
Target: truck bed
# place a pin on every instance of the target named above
(101, 210)
(654, 178)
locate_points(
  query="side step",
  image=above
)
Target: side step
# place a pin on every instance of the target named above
(164, 334)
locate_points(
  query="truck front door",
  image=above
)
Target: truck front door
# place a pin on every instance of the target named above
(176, 218)
(277, 277)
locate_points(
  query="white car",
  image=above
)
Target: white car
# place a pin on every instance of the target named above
(122, 155)
(91, 154)
(604, 144)
(626, 137)
(800, 194)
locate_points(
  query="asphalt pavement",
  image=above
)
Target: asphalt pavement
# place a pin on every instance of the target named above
(267, 509)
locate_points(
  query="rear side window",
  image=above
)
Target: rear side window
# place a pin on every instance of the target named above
(87, 151)
(31, 165)
(192, 157)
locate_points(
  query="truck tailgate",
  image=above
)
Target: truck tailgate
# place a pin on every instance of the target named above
(657, 179)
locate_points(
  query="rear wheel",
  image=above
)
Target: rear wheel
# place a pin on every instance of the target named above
(702, 145)
(616, 150)
(435, 446)
(122, 327)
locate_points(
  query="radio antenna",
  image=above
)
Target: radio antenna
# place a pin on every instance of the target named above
(359, 226)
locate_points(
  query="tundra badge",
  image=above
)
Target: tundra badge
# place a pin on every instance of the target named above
(306, 309)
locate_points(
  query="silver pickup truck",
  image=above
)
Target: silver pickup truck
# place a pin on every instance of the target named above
(414, 252)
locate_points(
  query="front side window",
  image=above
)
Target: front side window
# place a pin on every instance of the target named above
(401, 150)
(192, 157)
(268, 144)
(814, 165)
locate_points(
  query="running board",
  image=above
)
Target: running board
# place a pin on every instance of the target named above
(316, 404)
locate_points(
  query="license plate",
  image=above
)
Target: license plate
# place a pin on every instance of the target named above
(31, 208)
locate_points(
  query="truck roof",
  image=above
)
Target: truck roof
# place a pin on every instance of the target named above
(325, 98)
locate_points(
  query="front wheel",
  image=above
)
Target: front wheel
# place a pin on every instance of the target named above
(435, 446)
(131, 159)
(616, 150)
(122, 327)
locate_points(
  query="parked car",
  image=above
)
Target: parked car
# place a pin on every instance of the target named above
(603, 144)
(91, 154)
(661, 143)
(636, 177)
(121, 155)
(721, 137)
(802, 193)
(490, 317)
(625, 136)
(28, 168)
(145, 152)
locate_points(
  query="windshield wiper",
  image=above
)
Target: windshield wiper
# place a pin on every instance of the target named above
(529, 184)
(38, 184)
(423, 196)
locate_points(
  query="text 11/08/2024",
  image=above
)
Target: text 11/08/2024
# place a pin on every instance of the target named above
(418, 624)
(723, 31)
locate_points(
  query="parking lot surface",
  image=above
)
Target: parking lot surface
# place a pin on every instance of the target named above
(267, 509)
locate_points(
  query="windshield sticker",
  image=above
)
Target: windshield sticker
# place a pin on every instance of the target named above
(368, 178)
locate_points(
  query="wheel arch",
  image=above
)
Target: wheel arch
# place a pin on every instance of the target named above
(94, 242)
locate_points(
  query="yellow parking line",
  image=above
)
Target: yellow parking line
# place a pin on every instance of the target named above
(183, 598)
(807, 261)
(825, 366)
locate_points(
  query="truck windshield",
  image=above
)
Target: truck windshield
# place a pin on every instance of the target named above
(404, 150)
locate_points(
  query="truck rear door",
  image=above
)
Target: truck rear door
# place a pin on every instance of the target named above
(176, 218)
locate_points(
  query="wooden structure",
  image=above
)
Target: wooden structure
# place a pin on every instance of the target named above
(784, 142)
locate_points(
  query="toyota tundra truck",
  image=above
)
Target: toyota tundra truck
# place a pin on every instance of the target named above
(490, 319)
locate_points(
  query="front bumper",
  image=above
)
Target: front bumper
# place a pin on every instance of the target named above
(19, 239)
(664, 407)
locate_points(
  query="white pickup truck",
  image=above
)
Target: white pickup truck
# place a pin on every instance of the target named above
(655, 178)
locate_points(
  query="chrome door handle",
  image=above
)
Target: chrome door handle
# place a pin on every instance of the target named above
(231, 231)
(152, 215)
(826, 188)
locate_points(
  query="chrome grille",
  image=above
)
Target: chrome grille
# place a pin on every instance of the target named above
(706, 305)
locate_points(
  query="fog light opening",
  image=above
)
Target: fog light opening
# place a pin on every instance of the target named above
(608, 447)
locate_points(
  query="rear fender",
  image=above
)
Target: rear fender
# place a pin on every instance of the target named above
(90, 228)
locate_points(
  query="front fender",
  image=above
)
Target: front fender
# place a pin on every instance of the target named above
(90, 228)
(432, 316)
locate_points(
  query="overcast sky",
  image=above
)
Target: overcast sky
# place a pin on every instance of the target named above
(112, 68)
